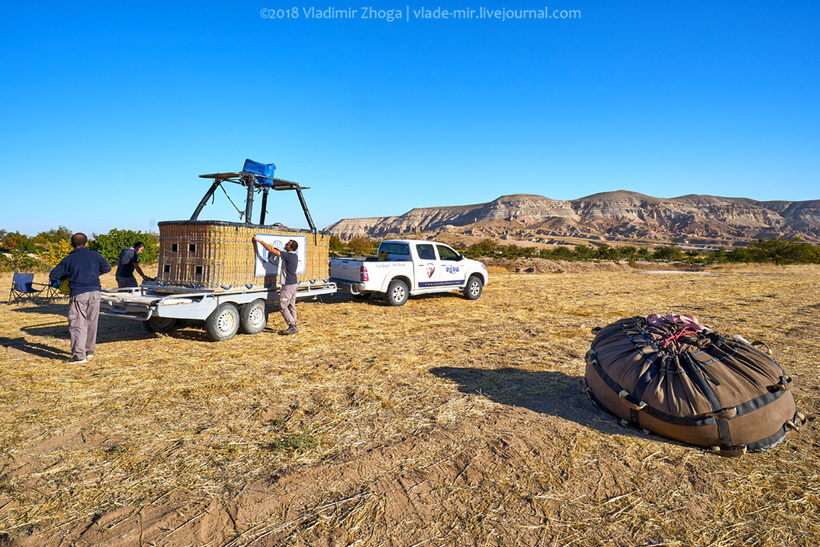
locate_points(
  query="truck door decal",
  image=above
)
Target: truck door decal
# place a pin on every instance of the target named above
(453, 282)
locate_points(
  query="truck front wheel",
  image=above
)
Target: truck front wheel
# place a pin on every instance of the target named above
(223, 323)
(397, 292)
(472, 290)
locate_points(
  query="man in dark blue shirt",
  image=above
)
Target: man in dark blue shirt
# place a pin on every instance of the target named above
(289, 283)
(83, 268)
(127, 262)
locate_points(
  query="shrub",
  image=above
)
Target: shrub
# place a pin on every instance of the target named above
(54, 252)
(672, 253)
(785, 251)
(54, 236)
(360, 246)
(17, 242)
(741, 254)
(111, 244)
(562, 252)
(336, 244)
(23, 262)
(584, 251)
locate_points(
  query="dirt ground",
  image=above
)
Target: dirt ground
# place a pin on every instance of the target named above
(442, 422)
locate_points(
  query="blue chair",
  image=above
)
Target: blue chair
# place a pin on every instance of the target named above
(54, 290)
(23, 288)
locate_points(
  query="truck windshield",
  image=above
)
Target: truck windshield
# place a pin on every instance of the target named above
(425, 251)
(446, 253)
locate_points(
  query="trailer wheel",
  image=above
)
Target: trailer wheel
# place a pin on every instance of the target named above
(160, 325)
(397, 292)
(472, 290)
(223, 323)
(254, 317)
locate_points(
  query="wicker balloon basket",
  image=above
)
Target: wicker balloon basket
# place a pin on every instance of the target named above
(220, 255)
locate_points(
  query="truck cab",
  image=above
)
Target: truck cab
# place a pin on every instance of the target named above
(405, 267)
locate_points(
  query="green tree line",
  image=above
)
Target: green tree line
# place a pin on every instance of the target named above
(774, 250)
(40, 253)
(46, 249)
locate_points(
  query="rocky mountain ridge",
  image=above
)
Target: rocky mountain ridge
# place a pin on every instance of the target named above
(619, 217)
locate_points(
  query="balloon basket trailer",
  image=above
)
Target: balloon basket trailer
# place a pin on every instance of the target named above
(210, 271)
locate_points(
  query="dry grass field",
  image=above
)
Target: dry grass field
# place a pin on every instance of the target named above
(442, 422)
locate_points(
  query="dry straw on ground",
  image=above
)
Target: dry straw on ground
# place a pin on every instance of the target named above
(441, 422)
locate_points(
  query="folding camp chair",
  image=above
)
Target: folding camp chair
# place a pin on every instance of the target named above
(52, 292)
(24, 288)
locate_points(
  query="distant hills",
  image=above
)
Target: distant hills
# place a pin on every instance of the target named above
(619, 217)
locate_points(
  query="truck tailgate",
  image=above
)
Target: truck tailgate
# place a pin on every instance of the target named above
(347, 269)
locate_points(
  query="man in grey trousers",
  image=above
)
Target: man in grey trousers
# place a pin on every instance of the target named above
(83, 268)
(289, 282)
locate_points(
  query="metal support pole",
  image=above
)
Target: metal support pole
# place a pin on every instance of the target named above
(264, 206)
(205, 199)
(305, 209)
(250, 183)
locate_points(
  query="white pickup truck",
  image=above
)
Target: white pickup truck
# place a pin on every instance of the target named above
(407, 267)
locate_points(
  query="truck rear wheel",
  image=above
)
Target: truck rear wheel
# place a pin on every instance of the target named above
(160, 325)
(223, 323)
(254, 317)
(397, 292)
(472, 290)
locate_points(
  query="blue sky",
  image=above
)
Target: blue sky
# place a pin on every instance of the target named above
(111, 110)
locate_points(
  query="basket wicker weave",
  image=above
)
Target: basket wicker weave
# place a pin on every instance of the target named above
(220, 255)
